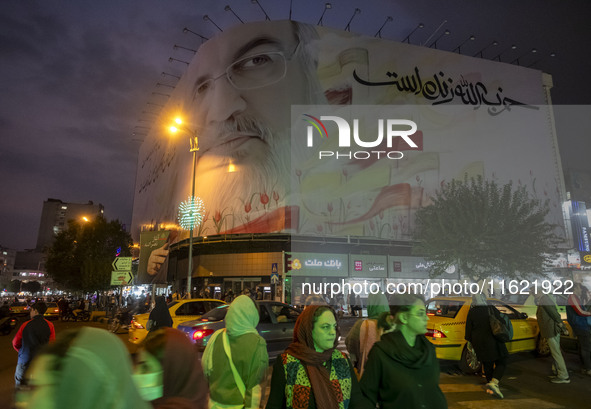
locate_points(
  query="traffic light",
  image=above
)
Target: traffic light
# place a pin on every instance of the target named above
(287, 262)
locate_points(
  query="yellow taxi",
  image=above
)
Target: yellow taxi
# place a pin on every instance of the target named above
(447, 325)
(53, 311)
(180, 311)
(20, 308)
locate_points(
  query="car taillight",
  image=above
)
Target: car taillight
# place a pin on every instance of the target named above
(201, 333)
(435, 333)
(56, 310)
(136, 324)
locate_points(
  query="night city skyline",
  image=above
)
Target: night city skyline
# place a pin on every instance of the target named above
(81, 80)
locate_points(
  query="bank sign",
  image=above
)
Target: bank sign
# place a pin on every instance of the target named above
(319, 265)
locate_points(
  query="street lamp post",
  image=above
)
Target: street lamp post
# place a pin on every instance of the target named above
(193, 147)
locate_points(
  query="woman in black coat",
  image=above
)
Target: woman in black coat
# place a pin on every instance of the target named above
(402, 370)
(491, 352)
(159, 316)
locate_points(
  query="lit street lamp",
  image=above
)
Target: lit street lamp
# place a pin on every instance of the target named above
(193, 208)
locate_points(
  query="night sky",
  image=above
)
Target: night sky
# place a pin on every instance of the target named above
(79, 78)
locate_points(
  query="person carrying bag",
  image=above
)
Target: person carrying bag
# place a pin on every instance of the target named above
(500, 325)
(490, 350)
(235, 359)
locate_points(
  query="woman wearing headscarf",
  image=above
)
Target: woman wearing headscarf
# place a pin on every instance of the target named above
(235, 358)
(183, 383)
(490, 351)
(365, 333)
(312, 373)
(159, 316)
(86, 368)
(402, 370)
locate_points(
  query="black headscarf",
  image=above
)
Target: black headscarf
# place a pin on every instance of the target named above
(160, 316)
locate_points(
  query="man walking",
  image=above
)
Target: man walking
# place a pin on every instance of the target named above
(31, 336)
(550, 325)
(578, 317)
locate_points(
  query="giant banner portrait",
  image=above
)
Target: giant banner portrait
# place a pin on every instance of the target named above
(312, 130)
(153, 265)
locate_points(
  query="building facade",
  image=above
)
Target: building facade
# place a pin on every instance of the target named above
(7, 259)
(55, 216)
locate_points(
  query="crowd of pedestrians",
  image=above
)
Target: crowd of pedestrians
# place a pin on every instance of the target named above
(391, 364)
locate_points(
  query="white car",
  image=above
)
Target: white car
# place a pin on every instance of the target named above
(526, 303)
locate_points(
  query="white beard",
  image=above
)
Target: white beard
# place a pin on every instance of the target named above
(264, 170)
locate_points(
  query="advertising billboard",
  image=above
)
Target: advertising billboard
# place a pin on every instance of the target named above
(153, 266)
(317, 131)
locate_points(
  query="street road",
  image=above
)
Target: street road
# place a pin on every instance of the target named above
(525, 384)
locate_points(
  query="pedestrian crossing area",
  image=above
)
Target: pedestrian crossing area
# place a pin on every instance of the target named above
(476, 398)
(461, 395)
(467, 395)
(507, 404)
(341, 345)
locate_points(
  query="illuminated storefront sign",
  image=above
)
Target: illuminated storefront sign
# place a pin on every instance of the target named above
(318, 264)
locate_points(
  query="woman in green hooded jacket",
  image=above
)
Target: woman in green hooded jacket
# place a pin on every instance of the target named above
(235, 359)
(402, 370)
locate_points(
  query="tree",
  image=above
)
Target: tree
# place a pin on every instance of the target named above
(486, 230)
(81, 256)
(14, 286)
(31, 286)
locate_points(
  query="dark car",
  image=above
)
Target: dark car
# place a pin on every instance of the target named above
(275, 325)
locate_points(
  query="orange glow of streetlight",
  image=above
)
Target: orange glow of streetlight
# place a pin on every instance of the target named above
(174, 128)
(193, 148)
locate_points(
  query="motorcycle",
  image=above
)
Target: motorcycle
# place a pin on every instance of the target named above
(7, 324)
(77, 315)
(122, 320)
